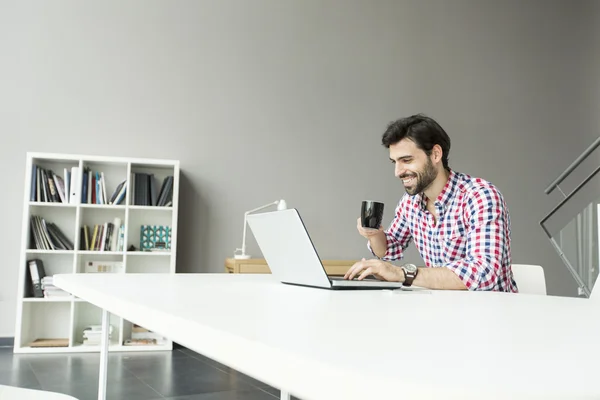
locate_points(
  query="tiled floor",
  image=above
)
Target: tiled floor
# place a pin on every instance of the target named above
(180, 374)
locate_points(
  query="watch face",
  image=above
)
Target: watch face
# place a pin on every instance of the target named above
(411, 268)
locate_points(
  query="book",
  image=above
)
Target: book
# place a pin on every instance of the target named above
(140, 342)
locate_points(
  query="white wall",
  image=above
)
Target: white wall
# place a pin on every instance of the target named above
(288, 99)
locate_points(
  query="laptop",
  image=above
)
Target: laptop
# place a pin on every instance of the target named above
(292, 257)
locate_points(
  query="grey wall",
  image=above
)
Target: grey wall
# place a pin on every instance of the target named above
(288, 99)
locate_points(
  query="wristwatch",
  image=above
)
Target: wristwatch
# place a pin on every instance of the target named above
(410, 273)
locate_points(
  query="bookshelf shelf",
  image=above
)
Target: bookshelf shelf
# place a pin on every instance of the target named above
(100, 253)
(46, 204)
(150, 208)
(48, 299)
(80, 215)
(149, 253)
(35, 251)
(104, 206)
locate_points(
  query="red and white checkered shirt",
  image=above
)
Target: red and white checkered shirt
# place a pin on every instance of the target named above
(471, 236)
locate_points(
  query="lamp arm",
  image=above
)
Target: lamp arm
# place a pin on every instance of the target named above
(246, 225)
(261, 207)
(244, 235)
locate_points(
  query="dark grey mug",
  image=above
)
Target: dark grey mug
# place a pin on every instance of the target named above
(371, 214)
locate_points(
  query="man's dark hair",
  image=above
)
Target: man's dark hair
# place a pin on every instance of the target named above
(422, 130)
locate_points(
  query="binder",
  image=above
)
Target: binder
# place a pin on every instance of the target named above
(36, 272)
(75, 186)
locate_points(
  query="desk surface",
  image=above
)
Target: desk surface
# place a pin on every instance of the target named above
(323, 344)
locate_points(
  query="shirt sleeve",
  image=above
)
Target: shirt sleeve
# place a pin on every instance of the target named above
(487, 241)
(397, 235)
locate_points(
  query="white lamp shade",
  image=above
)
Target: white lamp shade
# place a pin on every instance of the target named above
(281, 205)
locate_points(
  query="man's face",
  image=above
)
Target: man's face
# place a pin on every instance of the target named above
(412, 166)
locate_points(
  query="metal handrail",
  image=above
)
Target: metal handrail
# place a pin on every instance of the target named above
(573, 165)
(582, 184)
(578, 280)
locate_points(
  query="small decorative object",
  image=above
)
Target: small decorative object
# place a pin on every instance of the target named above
(104, 266)
(155, 238)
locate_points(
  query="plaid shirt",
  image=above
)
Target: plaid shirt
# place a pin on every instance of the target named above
(471, 236)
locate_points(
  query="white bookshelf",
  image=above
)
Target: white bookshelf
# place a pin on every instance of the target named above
(65, 317)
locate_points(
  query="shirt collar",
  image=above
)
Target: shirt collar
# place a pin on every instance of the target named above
(446, 194)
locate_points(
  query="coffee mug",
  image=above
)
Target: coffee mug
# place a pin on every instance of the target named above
(371, 214)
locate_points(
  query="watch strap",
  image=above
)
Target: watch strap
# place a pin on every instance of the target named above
(409, 277)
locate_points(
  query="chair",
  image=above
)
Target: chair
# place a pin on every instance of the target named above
(530, 278)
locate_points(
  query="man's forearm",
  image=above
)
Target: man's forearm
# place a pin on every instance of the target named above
(379, 244)
(438, 278)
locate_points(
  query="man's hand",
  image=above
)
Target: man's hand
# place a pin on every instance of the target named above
(380, 269)
(368, 233)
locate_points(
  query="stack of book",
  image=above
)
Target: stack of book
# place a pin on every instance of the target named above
(145, 191)
(141, 336)
(92, 334)
(48, 236)
(109, 236)
(93, 189)
(50, 290)
(46, 186)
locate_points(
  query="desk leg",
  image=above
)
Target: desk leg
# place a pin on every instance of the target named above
(285, 395)
(103, 357)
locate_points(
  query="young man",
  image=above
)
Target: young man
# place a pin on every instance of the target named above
(460, 224)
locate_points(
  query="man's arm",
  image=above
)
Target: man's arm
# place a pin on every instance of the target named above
(391, 243)
(378, 244)
(432, 278)
(438, 278)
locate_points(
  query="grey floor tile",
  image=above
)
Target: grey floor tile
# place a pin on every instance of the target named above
(274, 392)
(78, 371)
(130, 388)
(205, 359)
(248, 379)
(271, 390)
(254, 394)
(150, 355)
(180, 374)
(10, 362)
(195, 382)
(146, 368)
(224, 368)
(24, 378)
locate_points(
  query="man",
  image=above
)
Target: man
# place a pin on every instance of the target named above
(460, 224)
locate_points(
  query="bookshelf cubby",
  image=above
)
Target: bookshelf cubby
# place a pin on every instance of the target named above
(57, 207)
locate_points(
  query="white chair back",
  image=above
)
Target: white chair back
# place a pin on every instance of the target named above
(530, 278)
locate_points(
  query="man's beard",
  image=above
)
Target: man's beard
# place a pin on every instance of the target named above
(424, 179)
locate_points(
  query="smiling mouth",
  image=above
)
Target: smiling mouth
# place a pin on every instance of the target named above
(409, 181)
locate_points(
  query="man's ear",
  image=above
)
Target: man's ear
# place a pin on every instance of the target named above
(437, 153)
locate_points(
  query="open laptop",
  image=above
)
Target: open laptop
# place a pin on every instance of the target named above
(292, 257)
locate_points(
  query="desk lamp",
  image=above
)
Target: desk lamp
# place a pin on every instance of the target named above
(240, 254)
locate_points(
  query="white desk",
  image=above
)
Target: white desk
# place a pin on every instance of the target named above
(322, 344)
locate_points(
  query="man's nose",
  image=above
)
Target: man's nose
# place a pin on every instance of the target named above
(399, 171)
